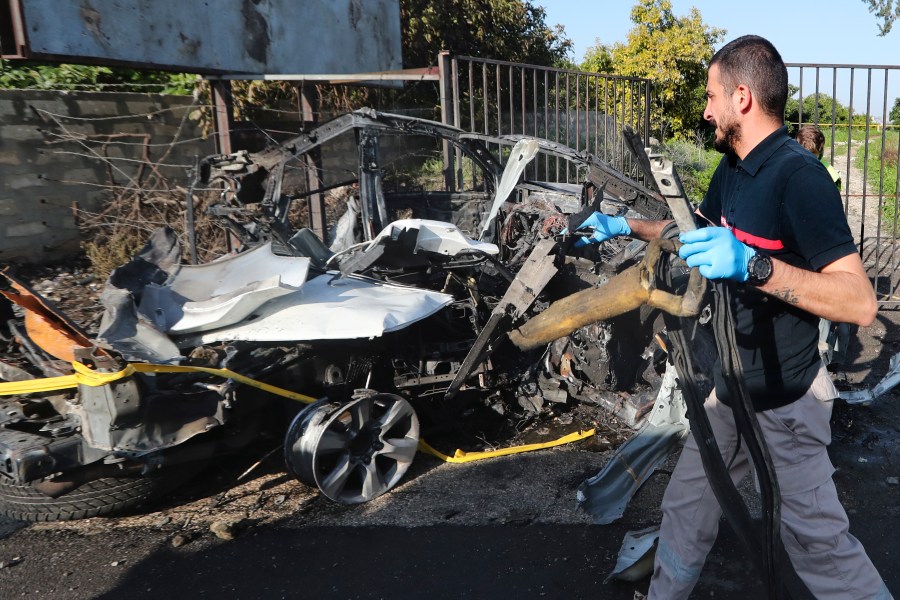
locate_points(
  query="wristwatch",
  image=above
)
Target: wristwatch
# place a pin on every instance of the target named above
(759, 269)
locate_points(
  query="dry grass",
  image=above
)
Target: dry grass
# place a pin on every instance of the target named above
(138, 203)
(121, 228)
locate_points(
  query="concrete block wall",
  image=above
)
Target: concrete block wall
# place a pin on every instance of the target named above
(51, 160)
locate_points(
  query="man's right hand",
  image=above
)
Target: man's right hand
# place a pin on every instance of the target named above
(604, 226)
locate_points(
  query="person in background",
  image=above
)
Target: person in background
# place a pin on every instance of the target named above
(780, 240)
(811, 137)
(833, 337)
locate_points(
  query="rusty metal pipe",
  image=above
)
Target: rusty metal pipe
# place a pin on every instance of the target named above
(627, 291)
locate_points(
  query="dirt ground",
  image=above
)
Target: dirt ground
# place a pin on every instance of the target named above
(507, 526)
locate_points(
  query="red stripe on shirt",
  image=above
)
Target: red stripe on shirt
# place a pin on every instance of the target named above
(756, 241)
(753, 240)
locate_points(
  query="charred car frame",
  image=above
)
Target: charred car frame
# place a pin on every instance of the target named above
(408, 308)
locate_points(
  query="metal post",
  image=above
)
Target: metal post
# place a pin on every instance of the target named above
(849, 147)
(577, 145)
(833, 111)
(816, 109)
(865, 173)
(223, 109)
(546, 120)
(880, 203)
(485, 93)
(313, 160)
(472, 126)
(647, 100)
(457, 153)
(522, 97)
(556, 119)
(189, 213)
(15, 45)
(511, 102)
(223, 123)
(446, 86)
(595, 148)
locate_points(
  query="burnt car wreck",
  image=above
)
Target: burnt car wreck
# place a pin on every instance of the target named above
(420, 299)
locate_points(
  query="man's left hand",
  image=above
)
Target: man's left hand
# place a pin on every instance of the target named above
(716, 252)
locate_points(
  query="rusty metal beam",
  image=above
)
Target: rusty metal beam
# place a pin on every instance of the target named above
(417, 74)
(223, 109)
(13, 35)
(316, 201)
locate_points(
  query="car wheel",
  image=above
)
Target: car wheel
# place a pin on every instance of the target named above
(99, 497)
(353, 452)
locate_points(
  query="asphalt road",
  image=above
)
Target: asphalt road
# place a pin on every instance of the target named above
(504, 528)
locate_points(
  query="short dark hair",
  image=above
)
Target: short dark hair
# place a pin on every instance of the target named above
(811, 138)
(753, 61)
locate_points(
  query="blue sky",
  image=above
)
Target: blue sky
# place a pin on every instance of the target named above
(804, 31)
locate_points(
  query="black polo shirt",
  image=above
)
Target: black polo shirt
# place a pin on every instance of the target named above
(781, 201)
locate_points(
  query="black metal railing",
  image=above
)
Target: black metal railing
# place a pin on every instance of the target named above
(584, 111)
(862, 143)
(588, 111)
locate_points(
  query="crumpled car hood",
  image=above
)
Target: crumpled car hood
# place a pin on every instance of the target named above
(329, 307)
(154, 306)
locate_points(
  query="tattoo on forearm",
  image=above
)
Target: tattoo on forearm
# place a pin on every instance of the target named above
(786, 295)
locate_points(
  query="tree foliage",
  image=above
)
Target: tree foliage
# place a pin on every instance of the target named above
(822, 105)
(671, 51)
(886, 11)
(598, 59)
(820, 108)
(69, 77)
(511, 30)
(894, 115)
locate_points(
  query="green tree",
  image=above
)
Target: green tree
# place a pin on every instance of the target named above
(894, 115)
(56, 76)
(886, 11)
(510, 30)
(598, 59)
(673, 52)
(822, 105)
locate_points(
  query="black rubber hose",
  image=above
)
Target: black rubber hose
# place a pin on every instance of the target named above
(772, 560)
(748, 428)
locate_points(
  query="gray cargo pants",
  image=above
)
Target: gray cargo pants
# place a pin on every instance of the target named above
(831, 562)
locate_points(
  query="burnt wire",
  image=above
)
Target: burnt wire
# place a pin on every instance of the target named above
(122, 159)
(148, 115)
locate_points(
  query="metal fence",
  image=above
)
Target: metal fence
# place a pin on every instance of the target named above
(585, 111)
(588, 111)
(862, 144)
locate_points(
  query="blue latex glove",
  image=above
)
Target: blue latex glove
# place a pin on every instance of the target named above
(605, 227)
(717, 253)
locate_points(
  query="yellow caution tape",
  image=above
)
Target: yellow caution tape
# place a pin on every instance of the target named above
(462, 457)
(86, 376)
(31, 386)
